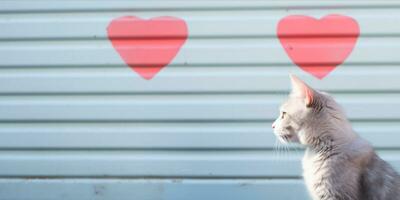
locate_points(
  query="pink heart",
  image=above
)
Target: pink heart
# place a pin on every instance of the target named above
(147, 46)
(318, 46)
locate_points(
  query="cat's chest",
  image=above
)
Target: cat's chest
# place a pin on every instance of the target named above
(313, 171)
(309, 167)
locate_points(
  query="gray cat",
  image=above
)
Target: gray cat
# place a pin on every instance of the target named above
(338, 164)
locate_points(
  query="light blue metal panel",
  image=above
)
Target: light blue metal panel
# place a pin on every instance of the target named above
(143, 5)
(140, 163)
(206, 24)
(193, 79)
(248, 51)
(137, 108)
(167, 163)
(184, 136)
(152, 189)
(72, 111)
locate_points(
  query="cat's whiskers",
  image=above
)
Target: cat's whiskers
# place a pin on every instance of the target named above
(286, 149)
(295, 149)
(276, 150)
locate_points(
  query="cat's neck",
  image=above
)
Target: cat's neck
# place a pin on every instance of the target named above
(329, 135)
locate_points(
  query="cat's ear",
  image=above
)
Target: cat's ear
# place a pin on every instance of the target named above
(301, 89)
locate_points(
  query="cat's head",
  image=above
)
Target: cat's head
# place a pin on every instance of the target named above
(305, 109)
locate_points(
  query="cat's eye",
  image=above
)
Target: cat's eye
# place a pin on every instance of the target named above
(283, 115)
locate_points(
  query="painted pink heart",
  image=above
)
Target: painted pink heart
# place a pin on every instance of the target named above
(147, 46)
(318, 46)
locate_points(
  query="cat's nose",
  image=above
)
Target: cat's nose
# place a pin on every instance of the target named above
(273, 125)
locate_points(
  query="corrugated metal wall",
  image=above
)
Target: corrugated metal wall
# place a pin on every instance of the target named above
(77, 123)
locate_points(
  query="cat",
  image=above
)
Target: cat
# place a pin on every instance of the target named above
(338, 164)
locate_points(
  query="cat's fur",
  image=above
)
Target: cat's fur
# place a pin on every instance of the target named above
(338, 164)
